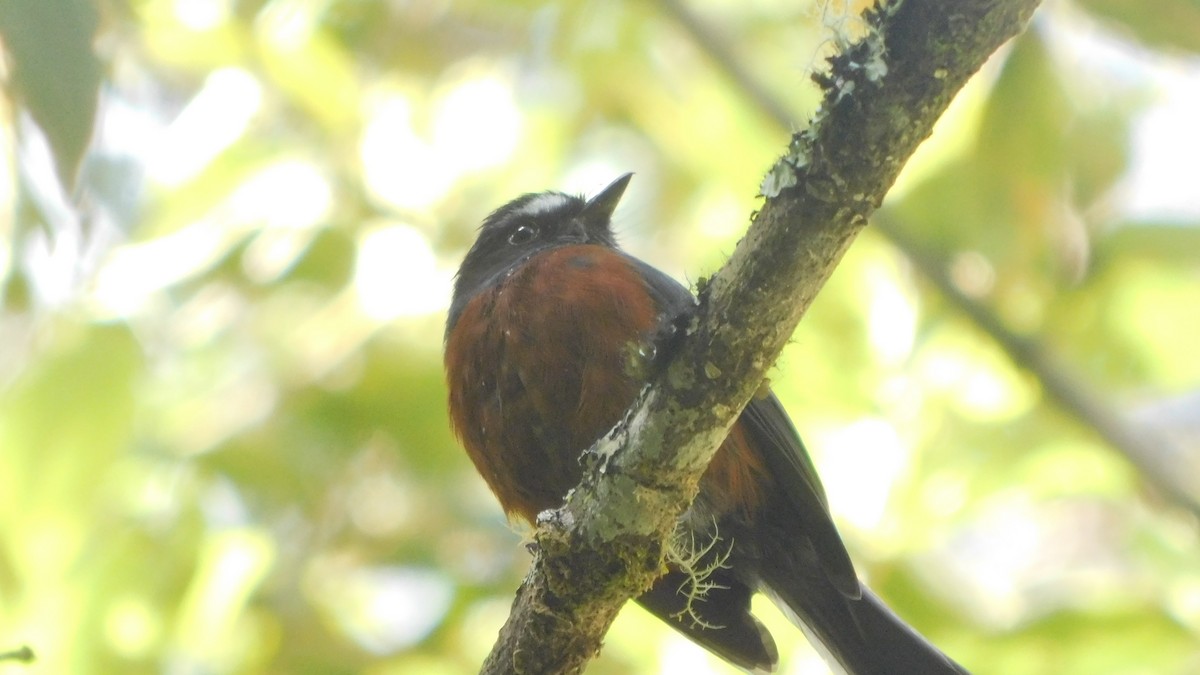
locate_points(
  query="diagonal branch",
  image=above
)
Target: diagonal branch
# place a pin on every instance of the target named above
(605, 545)
(1154, 456)
(1151, 453)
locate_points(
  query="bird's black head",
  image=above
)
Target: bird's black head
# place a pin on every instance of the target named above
(528, 225)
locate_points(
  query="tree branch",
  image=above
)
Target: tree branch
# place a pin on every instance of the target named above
(1155, 456)
(606, 544)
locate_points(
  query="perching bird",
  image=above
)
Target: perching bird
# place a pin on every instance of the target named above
(547, 314)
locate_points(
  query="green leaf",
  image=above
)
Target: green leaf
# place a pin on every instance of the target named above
(55, 72)
(1163, 23)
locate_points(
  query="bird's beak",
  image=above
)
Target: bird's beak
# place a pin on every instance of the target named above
(599, 209)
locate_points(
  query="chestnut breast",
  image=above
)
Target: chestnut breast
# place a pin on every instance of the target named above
(542, 363)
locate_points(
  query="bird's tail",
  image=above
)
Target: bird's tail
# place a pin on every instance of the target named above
(861, 634)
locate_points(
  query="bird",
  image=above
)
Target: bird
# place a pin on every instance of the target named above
(551, 334)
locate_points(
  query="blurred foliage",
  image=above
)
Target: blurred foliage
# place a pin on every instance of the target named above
(54, 73)
(223, 444)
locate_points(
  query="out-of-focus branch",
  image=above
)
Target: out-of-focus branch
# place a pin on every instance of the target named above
(21, 655)
(1148, 451)
(1141, 446)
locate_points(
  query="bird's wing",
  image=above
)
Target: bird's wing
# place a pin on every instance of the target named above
(773, 435)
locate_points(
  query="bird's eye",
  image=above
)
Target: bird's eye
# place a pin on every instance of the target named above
(523, 235)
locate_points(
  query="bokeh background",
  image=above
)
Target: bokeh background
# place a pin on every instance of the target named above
(223, 442)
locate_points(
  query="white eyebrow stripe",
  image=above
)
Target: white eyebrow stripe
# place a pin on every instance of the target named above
(543, 203)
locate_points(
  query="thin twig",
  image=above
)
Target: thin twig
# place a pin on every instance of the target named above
(23, 654)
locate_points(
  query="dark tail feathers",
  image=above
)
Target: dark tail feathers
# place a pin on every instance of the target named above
(863, 634)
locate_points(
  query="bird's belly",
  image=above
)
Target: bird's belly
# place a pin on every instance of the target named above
(548, 361)
(551, 359)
